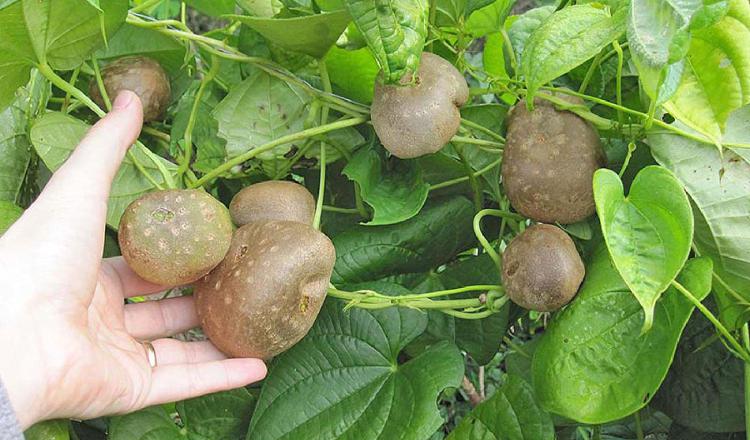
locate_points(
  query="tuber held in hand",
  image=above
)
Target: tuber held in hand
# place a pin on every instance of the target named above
(273, 200)
(265, 295)
(174, 237)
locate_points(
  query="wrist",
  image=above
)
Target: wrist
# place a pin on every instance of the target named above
(21, 381)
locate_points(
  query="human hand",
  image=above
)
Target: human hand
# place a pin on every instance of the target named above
(69, 346)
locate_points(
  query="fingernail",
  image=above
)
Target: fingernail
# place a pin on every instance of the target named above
(123, 100)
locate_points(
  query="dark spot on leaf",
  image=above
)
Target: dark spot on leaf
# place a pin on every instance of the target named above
(667, 118)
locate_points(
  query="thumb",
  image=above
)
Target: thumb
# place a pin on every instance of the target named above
(90, 169)
(69, 216)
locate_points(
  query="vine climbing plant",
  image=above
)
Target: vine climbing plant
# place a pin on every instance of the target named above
(540, 214)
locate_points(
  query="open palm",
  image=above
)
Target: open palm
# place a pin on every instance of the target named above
(69, 345)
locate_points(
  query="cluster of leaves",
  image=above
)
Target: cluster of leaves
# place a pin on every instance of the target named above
(280, 90)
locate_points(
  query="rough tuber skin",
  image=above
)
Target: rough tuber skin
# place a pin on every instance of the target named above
(542, 270)
(412, 120)
(264, 297)
(548, 163)
(273, 200)
(174, 237)
(141, 75)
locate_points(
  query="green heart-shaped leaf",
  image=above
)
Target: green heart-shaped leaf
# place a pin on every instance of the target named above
(648, 233)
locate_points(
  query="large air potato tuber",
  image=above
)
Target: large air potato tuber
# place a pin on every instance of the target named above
(548, 163)
(174, 237)
(141, 75)
(265, 295)
(542, 270)
(412, 120)
(273, 200)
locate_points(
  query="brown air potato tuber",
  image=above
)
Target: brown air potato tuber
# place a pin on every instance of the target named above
(273, 200)
(174, 237)
(548, 163)
(542, 269)
(141, 75)
(414, 120)
(265, 295)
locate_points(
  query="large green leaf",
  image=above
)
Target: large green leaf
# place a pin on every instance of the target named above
(13, 74)
(512, 413)
(716, 79)
(489, 19)
(60, 32)
(441, 230)
(648, 233)
(353, 72)
(15, 151)
(49, 430)
(525, 25)
(153, 423)
(258, 110)
(55, 136)
(704, 389)
(566, 40)
(219, 416)
(312, 34)
(344, 381)
(9, 213)
(653, 26)
(593, 364)
(395, 31)
(32, 31)
(719, 187)
(393, 188)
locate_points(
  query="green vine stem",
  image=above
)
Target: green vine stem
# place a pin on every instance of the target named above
(473, 182)
(461, 179)
(618, 79)
(590, 73)
(746, 343)
(300, 135)
(480, 142)
(736, 346)
(63, 85)
(326, 80)
(188, 137)
(638, 426)
(481, 128)
(73, 79)
(223, 50)
(480, 235)
(469, 308)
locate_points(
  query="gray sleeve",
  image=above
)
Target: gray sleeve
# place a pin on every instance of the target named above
(9, 428)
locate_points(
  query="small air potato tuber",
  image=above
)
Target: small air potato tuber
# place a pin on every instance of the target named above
(414, 120)
(174, 237)
(548, 163)
(273, 200)
(264, 297)
(141, 75)
(542, 270)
